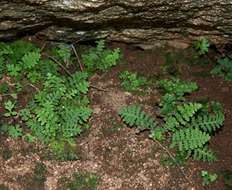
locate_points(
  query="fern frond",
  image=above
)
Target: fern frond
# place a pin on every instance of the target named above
(30, 59)
(208, 123)
(134, 116)
(79, 83)
(177, 86)
(182, 116)
(204, 154)
(189, 139)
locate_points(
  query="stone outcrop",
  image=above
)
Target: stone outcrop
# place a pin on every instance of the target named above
(143, 22)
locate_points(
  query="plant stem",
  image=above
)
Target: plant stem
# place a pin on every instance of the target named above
(78, 59)
(173, 158)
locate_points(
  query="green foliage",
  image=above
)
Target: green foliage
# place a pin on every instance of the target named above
(189, 125)
(208, 123)
(39, 175)
(100, 58)
(80, 181)
(13, 131)
(58, 110)
(4, 89)
(158, 134)
(204, 154)
(189, 139)
(202, 46)
(63, 53)
(208, 178)
(3, 187)
(131, 81)
(174, 90)
(177, 87)
(9, 107)
(134, 116)
(223, 68)
(182, 116)
(227, 178)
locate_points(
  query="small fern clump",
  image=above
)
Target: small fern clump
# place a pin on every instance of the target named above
(60, 110)
(189, 124)
(100, 58)
(202, 46)
(131, 81)
(57, 109)
(174, 91)
(134, 116)
(223, 68)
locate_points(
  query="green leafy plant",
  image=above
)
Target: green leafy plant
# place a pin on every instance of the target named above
(208, 178)
(189, 124)
(134, 116)
(4, 89)
(9, 107)
(223, 68)
(131, 81)
(177, 87)
(227, 178)
(58, 109)
(100, 58)
(202, 46)
(174, 90)
(14, 131)
(80, 181)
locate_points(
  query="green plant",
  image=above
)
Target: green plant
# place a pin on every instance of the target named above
(9, 107)
(80, 182)
(202, 46)
(3, 187)
(39, 175)
(223, 68)
(190, 125)
(131, 81)
(227, 178)
(14, 131)
(207, 177)
(174, 91)
(177, 87)
(4, 89)
(134, 116)
(100, 58)
(58, 109)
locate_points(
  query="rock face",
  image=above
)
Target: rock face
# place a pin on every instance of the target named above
(143, 22)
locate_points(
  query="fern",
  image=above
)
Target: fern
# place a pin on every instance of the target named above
(30, 59)
(208, 123)
(177, 87)
(223, 68)
(134, 116)
(202, 46)
(189, 139)
(182, 116)
(204, 154)
(100, 58)
(131, 81)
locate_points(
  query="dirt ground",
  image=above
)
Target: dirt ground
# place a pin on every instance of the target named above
(122, 158)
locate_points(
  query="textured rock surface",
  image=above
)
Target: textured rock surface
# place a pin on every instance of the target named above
(148, 22)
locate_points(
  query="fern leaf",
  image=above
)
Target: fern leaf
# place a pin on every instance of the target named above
(183, 115)
(189, 139)
(30, 59)
(204, 154)
(79, 83)
(188, 110)
(208, 123)
(134, 116)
